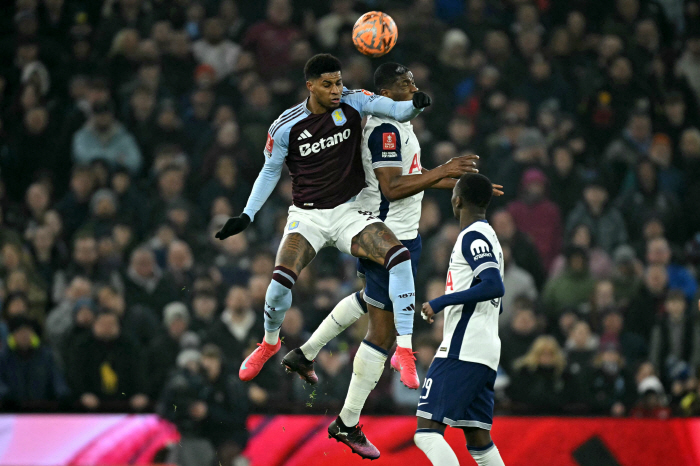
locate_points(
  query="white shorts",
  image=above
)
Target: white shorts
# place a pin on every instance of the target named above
(330, 227)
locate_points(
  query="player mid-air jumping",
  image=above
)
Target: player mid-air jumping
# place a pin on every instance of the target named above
(319, 139)
(458, 389)
(396, 181)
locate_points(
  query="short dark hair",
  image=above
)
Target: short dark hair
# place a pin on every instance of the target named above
(475, 189)
(320, 64)
(387, 74)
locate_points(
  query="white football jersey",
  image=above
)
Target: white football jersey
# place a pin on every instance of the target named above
(471, 331)
(388, 143)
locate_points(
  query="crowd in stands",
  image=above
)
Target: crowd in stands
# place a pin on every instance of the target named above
(131, 130)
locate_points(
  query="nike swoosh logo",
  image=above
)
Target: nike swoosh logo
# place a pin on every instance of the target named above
(423, 403)
(245, 361)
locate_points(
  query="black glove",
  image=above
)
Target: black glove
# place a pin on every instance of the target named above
(233, 226)
(421, 100)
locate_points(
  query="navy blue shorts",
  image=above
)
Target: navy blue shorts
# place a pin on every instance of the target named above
(377, 277)
(458, 393)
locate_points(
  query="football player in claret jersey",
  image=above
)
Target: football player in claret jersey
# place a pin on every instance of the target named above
(319, 140)
(458, 389)
(395, 184)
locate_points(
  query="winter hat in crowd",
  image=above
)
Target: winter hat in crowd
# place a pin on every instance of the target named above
(624, 254)
(650, 384)
(102, 194)
(188, 356)
(530, 138)
(533, 175)
(173, 311)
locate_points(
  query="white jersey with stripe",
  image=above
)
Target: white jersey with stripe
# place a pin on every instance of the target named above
(471, 330)
(389, 143)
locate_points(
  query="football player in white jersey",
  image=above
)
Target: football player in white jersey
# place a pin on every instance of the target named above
(395, 184)
(458, 389)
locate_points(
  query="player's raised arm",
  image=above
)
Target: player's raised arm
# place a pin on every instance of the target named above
(372, 104)
(275, 153)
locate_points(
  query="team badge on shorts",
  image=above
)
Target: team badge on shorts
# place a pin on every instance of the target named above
(293, 225)
(339, 117)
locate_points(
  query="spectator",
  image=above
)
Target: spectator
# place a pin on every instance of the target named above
(524, 251)
(216, 50)
(537, 383)
(143, 282)
(518, 283)
(163, 350)
(224, 408)
(103, 137)
(60, 318)
(533, 204)
(137, 321)
(107, 367)
(599, 263)
(605, 223)
(238, 326)
(570, 289)
(631, 346)
(204, 309)
(565, 180)
(652, 403)
(184, 390)
(627, 275)
(634, 143)
(74, 208)
(520, 335)
(672, 336)
(270, 40)
(612, 388)
(648, 304)
(659, 253)
(638, 204)
(690, 152)
(671, 179)
(28, 372)
(688, 64)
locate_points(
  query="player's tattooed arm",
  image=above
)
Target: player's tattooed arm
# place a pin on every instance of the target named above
(295, 253)
(374, 242)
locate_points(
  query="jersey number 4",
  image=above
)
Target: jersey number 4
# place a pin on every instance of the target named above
(449, 286)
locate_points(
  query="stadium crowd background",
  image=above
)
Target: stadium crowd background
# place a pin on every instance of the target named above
(130, 130)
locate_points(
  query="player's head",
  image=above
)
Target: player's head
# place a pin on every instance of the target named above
(472, 194)
(324, 80)
(394, 81)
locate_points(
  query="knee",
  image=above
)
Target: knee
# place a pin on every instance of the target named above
(276, 292)
(478, 437)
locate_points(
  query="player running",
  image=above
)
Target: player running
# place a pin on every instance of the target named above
(319, 139)
(396, 181)
(458, 389)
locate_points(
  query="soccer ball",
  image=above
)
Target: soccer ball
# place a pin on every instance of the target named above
(375, 34)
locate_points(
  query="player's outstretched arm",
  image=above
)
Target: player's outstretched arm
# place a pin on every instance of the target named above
(449, 183)
(275, 153)
(395, 185)
(371, 104)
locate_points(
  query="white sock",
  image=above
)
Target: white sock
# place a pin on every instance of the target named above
(486, 456)
(404, 341)
(272, 337)
(366, 370)
(343, 315)
(436, 448)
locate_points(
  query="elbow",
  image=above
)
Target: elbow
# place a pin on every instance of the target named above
(390, 194)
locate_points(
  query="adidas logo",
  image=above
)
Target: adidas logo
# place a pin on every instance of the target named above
(305, 134)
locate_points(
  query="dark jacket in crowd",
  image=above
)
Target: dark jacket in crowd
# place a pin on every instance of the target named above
(111, 370)
(30, 376)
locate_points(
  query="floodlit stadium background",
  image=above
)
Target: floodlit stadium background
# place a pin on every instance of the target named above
(587, 112)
